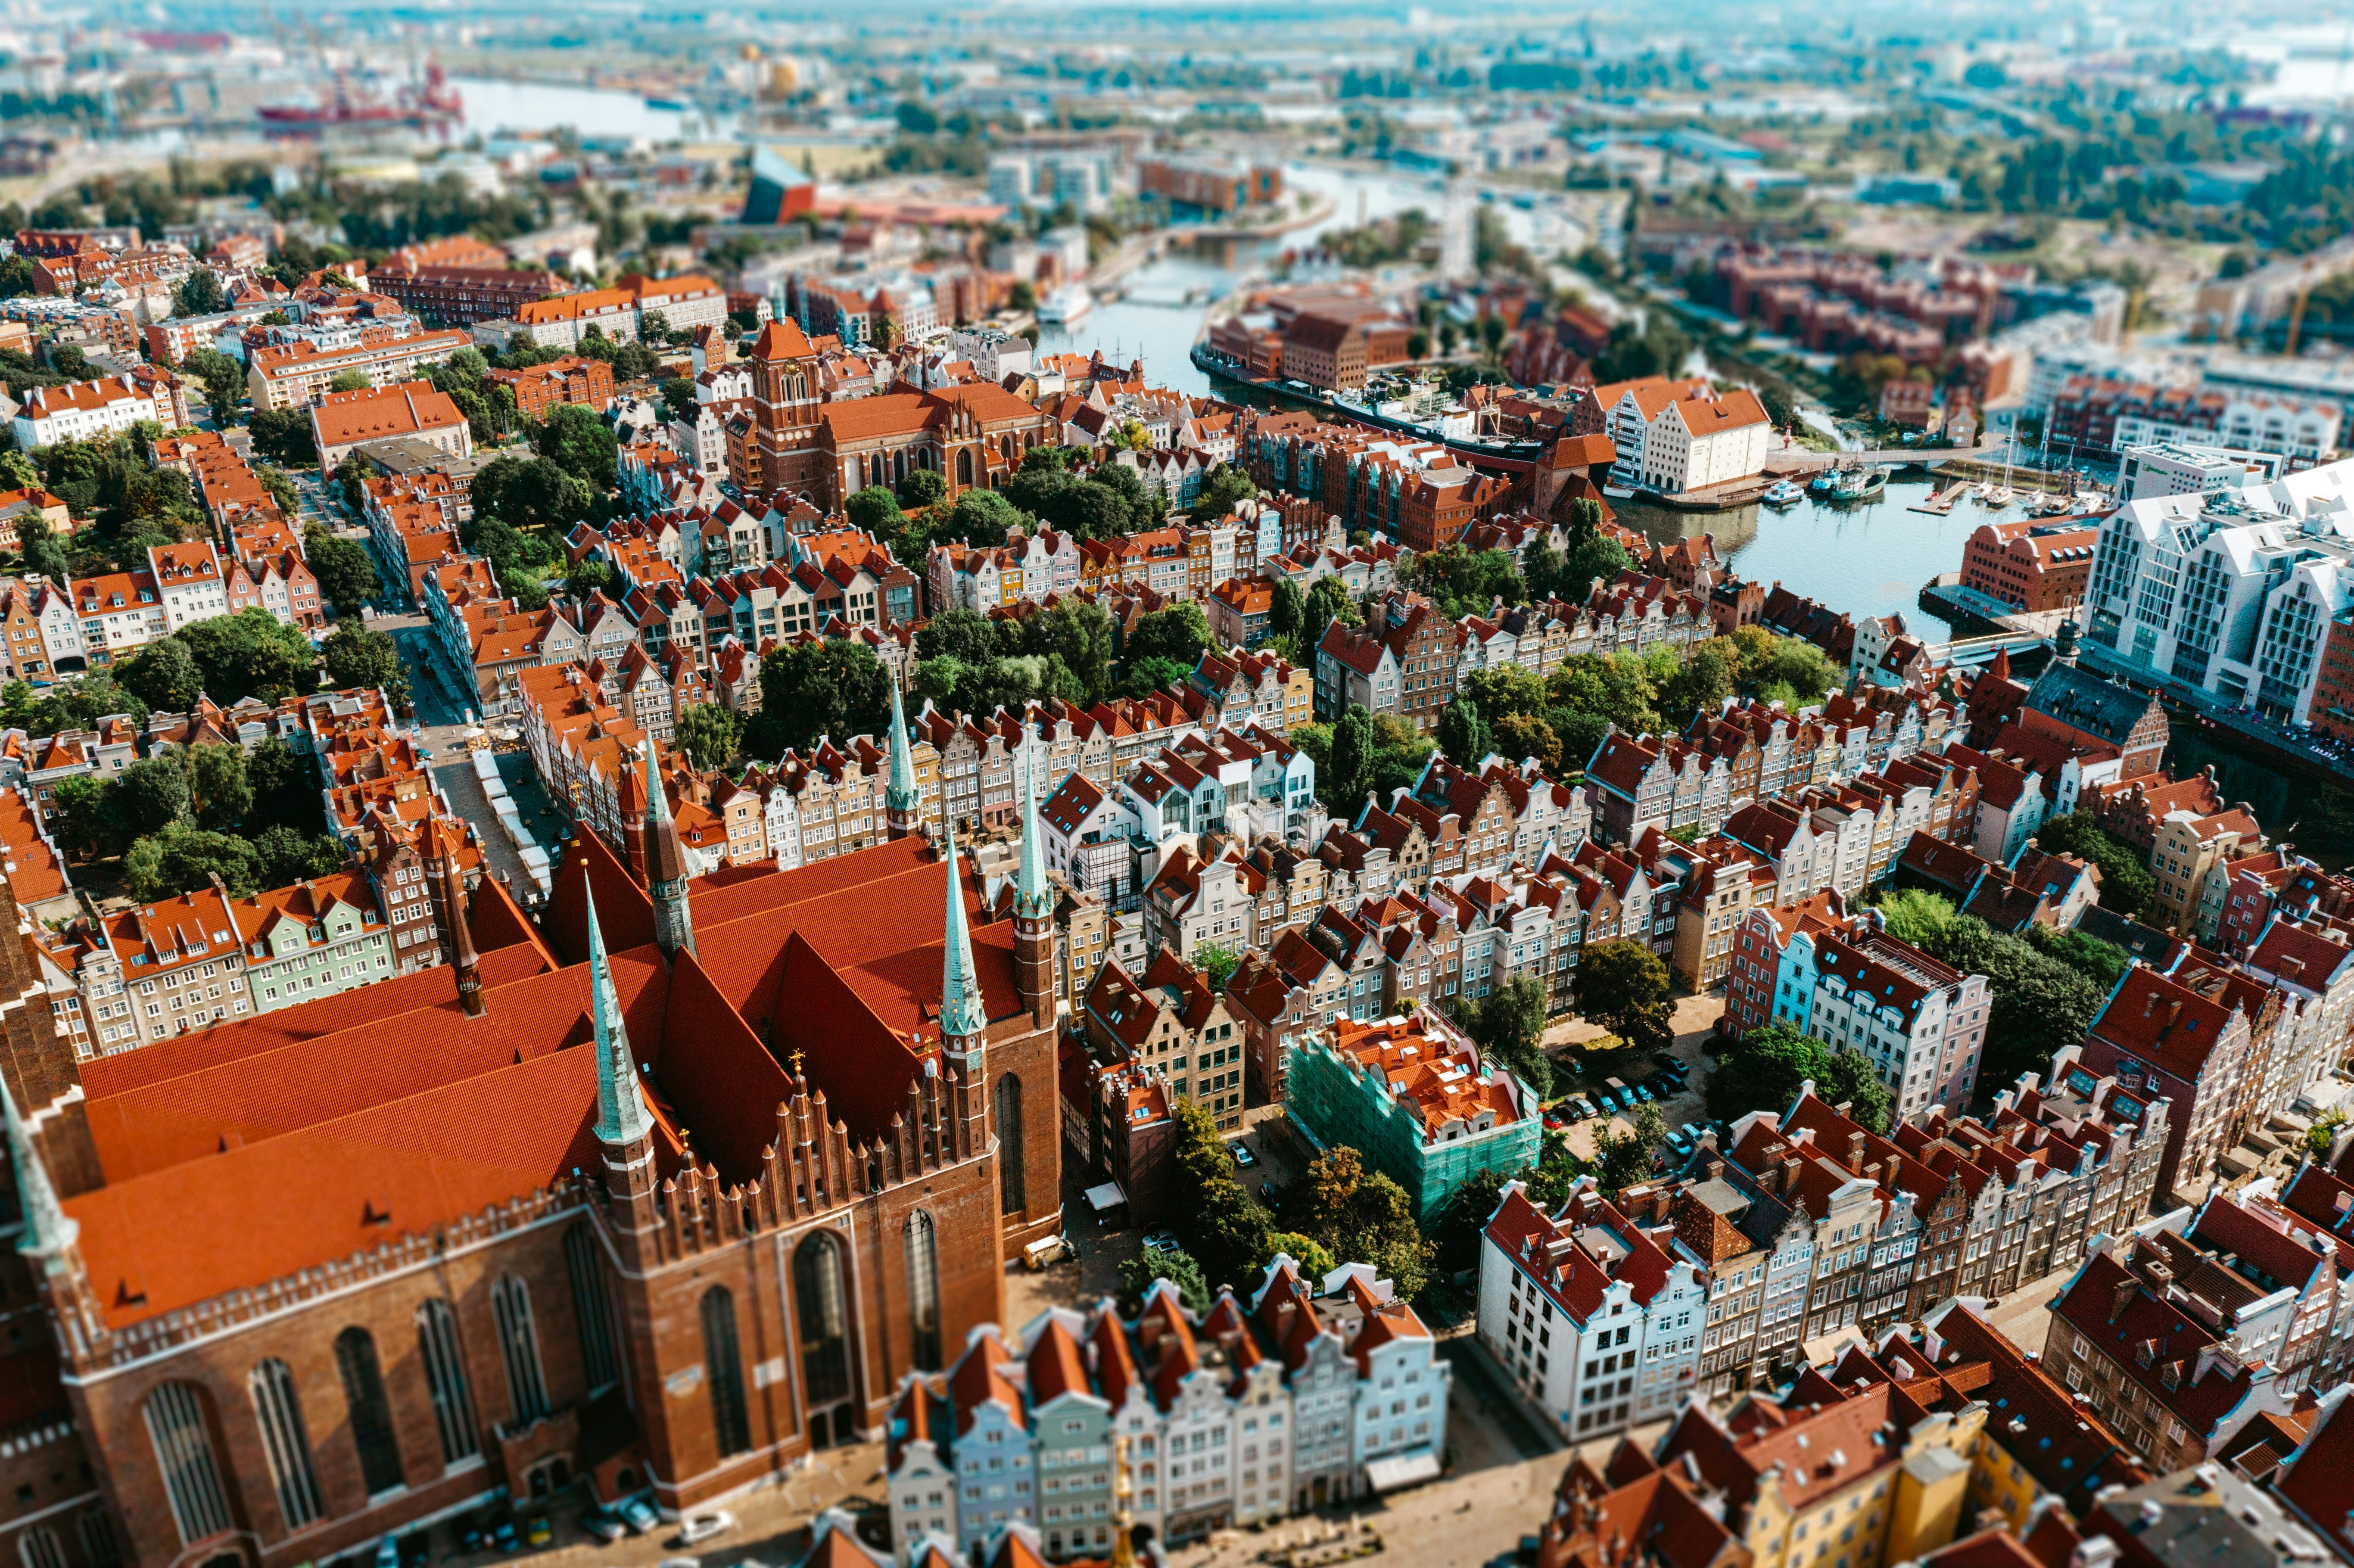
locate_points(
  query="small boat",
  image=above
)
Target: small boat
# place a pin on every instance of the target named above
(1824, 483)
(1981, 490)
(1619, 492)
(2000, 496)
(674, 105)
(1066, 306)
(1783, 494)
(1860, 484)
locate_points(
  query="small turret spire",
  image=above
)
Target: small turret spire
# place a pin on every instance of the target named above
(621, 1115)
(48, 1231)
(962, 1013)
(665, 868)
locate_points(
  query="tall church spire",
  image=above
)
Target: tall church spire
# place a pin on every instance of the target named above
(48, 1231)
(963, 1015)
(665, 868)
(1032, 896)
(903, 802)
(621, 1115)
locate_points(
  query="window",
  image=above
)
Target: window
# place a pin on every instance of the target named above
(824, 1319)
(723, 1368)
(371, 1412)
(183, 1452)
(593, 1305)
(38, 1548)
(445, 1376)
(98, 1537)
(519, 1348)
(1012, 1193)
(924, 1291)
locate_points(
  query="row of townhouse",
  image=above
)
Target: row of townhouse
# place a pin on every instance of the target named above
(1303, 1394)
(1884, 1454)
(2230, 1041)
(1754, 752)
(158, 971)
(1805, 1221)
(62, 629)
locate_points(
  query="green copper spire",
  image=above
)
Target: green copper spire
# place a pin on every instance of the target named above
(621, 1110)
(962, 1013)
(47, 1229)
(899, 793)
(1032, 896)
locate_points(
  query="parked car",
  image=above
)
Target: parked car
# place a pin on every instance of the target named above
(1243, 1155)
(1584, 1109)
(702, 1527)
(639, 1515)
(536, 1531)
(1680, 1144)
(387, 1553)
(1643, 1093)
(505, 1537)
(604, 1525)
(1161, 1241)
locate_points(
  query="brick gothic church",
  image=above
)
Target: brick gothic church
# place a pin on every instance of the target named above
(672, 1192)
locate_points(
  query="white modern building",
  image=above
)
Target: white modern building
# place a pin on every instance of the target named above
(2184, 468)
(83, 411)
(2231, 592)
(1597, 1321)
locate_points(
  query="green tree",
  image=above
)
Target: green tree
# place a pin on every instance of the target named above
(2126, 884)
(218, 792)
(576, 439)
(1217, 963)
(164, 675)
(250, 654)
(1463, 735)
(1624, 987)
(284, 435)
(1287, 616)
(1177, 634)
(1509, 1027)
(708, 734)
(353, 656)
(1504, 690)
(588, 575)
(1079, 634)
(1216, 1220)
(1600, 559)
(1329, 601)
(179, 858)
(678, 397)
(1806, 669)
(285, 785)
(534, 493)
(1307, 1252)
(876, 509)
(199, 295)
(1916, 916)
(289, 855)
(223, 378)
(1519, 737)
(1223, 488)
(148, 795)
(350, 381)
(1762, 1070)
(346, 570)
(1173, 1263)
(981, 516)
(2039, 1003)
(1365, 1216)
(1341, 785)
(1846, 1077)
(810, 689)
(921, 488)
(1624, 1159)
(2102, 963)
(1704, 679)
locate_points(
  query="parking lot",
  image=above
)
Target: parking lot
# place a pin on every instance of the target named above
(1569, 1041)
